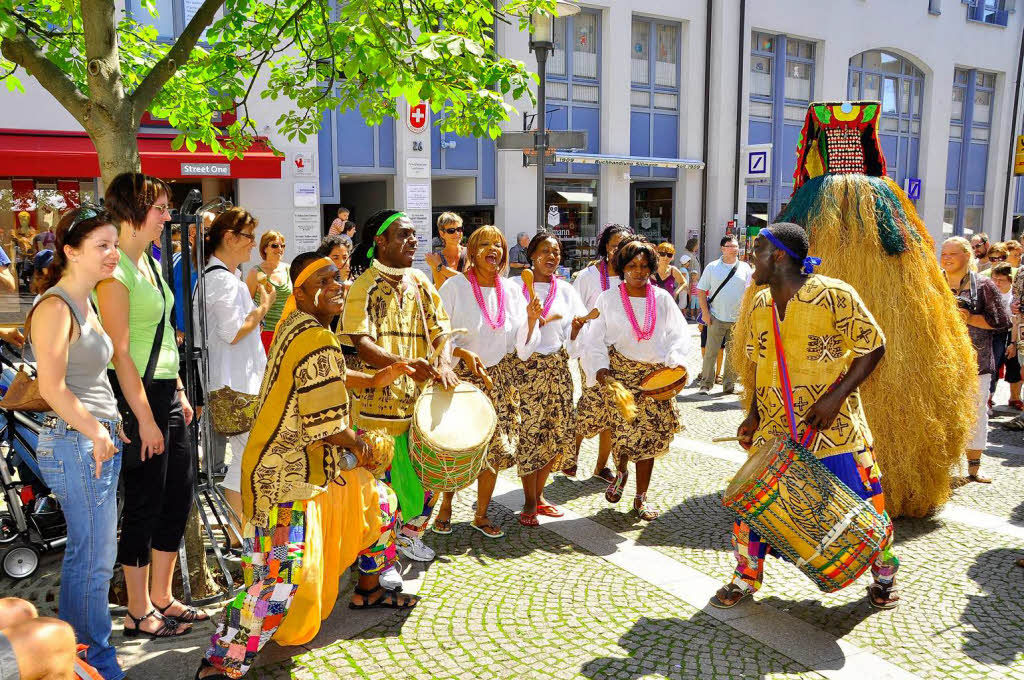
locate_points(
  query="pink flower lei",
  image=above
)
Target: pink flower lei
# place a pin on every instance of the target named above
(499, 322)
(549, 299)
(650, 315)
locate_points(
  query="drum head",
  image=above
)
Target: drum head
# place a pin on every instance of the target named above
(455, 420)
(752, 469)
(663, 377)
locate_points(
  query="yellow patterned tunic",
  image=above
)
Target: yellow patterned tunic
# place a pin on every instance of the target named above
(302, 401)
(826, 327)
(394, 320)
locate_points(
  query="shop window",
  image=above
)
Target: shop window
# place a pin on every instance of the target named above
(572, 214)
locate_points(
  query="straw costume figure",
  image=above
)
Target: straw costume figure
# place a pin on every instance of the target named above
(920, 400)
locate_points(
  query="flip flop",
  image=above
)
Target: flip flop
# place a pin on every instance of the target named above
(498, 533)
(442, 527)
(528, 519)
(549, 510)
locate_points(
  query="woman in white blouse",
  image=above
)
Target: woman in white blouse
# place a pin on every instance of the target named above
(547, 437)
(591, 417)
(640, 330)
(494, 312)
(235, 352)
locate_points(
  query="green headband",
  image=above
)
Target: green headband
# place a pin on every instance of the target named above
(381, 230)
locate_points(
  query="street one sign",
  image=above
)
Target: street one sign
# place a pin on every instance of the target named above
(757, 163)
(913, 188)
(205, 169)
(418, 117)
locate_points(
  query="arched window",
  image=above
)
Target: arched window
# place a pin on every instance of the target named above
(899, 86)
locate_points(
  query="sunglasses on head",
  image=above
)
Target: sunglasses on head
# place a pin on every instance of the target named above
(86, 212)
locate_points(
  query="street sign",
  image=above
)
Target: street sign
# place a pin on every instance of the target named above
(913, 188)
(205, 169)
(557, 139)
(417, 117)
(1018, 156)
(757, 163)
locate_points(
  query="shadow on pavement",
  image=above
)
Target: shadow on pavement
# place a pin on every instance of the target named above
(689, 648)
(700, 522)
(994, 619)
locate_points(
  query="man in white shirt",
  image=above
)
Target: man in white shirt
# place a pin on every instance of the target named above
(719, 292)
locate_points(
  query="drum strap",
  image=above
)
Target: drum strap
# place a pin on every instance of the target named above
(787, 386)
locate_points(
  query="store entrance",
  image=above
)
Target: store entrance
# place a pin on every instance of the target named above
(651, 209)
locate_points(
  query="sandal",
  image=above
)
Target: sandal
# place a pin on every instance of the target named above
(975, 476)
(527, 519)
(728, 596)
(569, 470)
(1016, 404)
(882, 596)
(169, 628)
(613, 494)
(190, 615)
(606, 475)
(549, 510)
(389, 599)
(488, 530)
(203, 664)
(646, 511)
(442, 526)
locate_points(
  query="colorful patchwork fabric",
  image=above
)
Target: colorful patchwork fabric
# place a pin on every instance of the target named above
(383, 553)
(837, 138)
(272, 568)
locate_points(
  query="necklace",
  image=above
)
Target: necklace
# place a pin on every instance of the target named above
(549, 299)
(650, 315)
(499, 322)
(390, 271)
(602, 269)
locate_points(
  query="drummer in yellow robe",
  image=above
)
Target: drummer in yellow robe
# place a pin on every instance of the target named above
(394, 313)
(831, 344)
(308, 511)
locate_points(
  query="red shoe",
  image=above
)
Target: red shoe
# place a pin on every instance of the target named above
(1016, 404)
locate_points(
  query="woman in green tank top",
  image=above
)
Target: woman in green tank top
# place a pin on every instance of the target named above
(276, 272)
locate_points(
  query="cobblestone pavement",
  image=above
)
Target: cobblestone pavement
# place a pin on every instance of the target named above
(538, 605)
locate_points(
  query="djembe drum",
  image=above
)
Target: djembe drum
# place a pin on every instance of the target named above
(807, 514)
(449, 435)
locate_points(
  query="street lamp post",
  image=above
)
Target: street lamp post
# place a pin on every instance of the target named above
(541, 43)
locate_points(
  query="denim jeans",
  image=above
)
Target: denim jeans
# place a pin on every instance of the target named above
(90, 509)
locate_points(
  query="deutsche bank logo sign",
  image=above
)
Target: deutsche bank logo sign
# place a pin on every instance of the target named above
(757, 163)
(913, 188)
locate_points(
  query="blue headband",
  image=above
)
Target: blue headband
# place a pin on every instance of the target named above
(809, 263)
(380, 230)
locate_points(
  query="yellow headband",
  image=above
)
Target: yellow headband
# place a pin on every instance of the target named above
(307, 271)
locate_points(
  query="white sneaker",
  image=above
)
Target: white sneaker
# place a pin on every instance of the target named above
(414, 548)
(391, 578)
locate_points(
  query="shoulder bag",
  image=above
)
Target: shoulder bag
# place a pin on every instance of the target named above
(700, 312)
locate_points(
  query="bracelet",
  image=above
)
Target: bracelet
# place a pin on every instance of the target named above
(180, 389)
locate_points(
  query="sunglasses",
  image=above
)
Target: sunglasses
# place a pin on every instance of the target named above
(251, 237)
(456, 230)
(665, 254)
(87, 212)
(275, 246)
(162, 207)
(997, 259)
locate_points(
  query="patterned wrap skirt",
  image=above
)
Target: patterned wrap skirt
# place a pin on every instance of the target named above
(594, 412)
(501, 452)
(548, 432)
(656, 422)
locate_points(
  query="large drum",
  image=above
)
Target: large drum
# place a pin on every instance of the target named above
(449, 435)
(807, 514)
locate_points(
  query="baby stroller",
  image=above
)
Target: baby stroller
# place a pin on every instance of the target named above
(32, 521)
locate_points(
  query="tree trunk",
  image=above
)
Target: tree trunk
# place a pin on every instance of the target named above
(199, 577)
(117, 146)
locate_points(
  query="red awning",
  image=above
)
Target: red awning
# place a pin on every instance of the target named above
(44, 153)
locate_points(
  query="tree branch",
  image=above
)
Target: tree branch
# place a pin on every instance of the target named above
(22, 51)
(179, 54)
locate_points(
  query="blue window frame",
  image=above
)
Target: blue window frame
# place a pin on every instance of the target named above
(172, 16)
(574, 85)
(781, 87)
(655, 53)
(994, 12)
(970, 128)
(899, 86)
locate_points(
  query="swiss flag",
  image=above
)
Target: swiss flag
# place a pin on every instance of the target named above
(418, 117)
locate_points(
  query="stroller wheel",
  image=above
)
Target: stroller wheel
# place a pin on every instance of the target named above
(21, 561)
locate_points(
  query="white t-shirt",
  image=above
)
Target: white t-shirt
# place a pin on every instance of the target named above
(556, 335)
(490, 344)
(726, 306)
(669, 345)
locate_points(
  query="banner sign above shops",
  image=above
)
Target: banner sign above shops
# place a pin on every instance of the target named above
(206, 169)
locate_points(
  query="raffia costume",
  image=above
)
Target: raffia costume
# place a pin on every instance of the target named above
(920, 399)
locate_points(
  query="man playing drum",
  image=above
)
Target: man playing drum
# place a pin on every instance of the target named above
(393, 313)
(831, 345)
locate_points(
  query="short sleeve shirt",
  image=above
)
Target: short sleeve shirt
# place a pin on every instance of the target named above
(145, 303)
(825, 328)
(726, 305)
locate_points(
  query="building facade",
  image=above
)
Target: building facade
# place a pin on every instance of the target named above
(670, 94)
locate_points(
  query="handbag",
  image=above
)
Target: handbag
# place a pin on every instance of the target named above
(23, 392)
(132, 455)
(700, 312)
